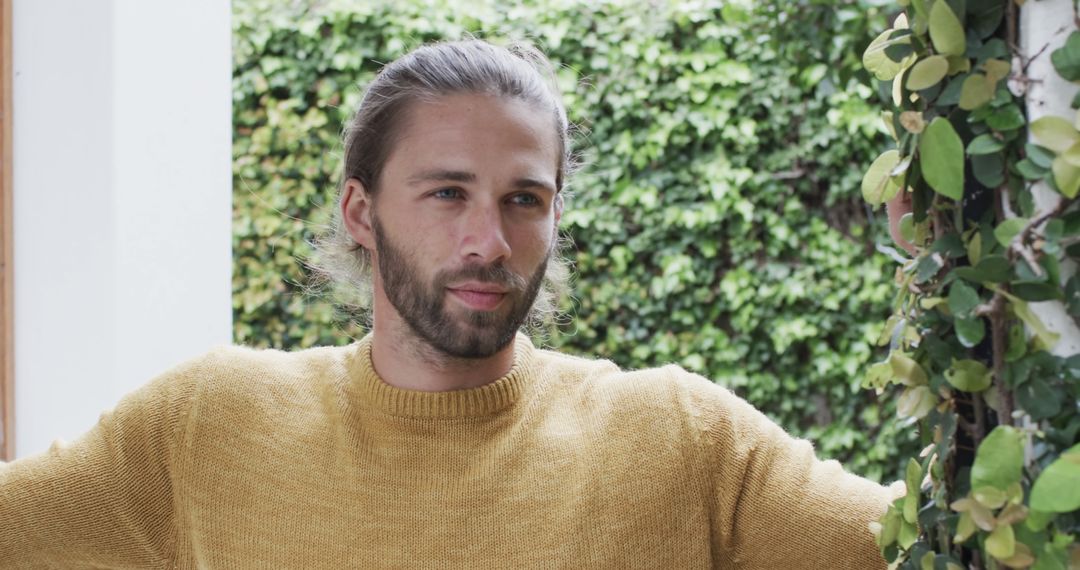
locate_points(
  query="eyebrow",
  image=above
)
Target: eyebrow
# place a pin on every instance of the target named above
(438, 175)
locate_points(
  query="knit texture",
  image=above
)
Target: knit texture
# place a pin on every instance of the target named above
(267, 459)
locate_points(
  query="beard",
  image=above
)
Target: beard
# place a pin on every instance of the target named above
(472, 335)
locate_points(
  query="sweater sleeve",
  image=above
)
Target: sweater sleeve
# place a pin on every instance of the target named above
(776, 504)
(105, 500)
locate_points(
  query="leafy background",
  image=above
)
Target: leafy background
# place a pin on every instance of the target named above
(994, 229)
(717, 223)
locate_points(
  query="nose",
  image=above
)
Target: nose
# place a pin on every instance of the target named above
(484, 238)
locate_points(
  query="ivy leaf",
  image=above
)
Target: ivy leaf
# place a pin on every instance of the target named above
(996, 70)
(898, 87)
(976, 91)
(907, 227)
(1056, 490)
(942, 156)
(927, 267)
(1006, 118)
(965, 527)
(950, 95)
(878, 186)
(946, 31)
(876, 61)
(968, 376)
(1040, 156)
(1072, 154)
(1017, 346)
(915, 402)
(1037, 292)
(1072, 295)
(898, 52)
(1072, 223)
(1066, 59)
(1045, 336)
(1026, 201)
(1001, 543)
(986, 17)
(904, 368)
(1007, 230)
(990, 269)
(878, 375)
(927, 72)
(949, 245)
(1039, 399)
(1066, 176)
(970, 331)
(985, 144)
(939, 351)
(1026, 273)
(1054, 133)
(989, 497)
(962, 299)
(912, 478)
(890, 526)
(909, 533)
(912, 121)
(989, 169)
(999, 459)
(974, 248)
(921, 12)
(901, 167)
(1031, 171)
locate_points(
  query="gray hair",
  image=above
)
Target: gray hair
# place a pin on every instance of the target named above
(431, 71)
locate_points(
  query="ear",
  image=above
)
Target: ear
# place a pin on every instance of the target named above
(558, 207)
(356, 205)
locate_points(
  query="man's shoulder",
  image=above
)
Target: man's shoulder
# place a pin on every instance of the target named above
(234, 370)
(663, 386)
(247, 359)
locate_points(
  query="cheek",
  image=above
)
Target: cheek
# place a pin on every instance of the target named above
(427, 234)
(533, 243)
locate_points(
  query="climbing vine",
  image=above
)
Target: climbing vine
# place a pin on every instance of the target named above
(979, 373)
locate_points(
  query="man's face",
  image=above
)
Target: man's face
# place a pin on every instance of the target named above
(464, 220)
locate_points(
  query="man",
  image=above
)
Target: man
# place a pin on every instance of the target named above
(443, 439)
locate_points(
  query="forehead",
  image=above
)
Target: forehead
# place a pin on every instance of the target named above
(476, 131)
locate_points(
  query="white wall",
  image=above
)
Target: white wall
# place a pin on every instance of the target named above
(1044, 26)
(122, 201)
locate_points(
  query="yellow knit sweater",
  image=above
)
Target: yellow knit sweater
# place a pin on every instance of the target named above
(265, 459)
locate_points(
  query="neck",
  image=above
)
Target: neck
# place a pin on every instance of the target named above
(405, 361)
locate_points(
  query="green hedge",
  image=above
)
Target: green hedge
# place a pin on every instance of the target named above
(717, 223)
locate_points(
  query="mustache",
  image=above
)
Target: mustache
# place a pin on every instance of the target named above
(498, 274)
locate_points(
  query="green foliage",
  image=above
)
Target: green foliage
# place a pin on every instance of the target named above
(971, 356)
(1056, 490)
(717, 223)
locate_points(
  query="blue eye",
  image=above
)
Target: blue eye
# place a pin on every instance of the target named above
(526, 200)
(447, 193)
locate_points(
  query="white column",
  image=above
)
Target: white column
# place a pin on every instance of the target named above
(122, 201)
(1044, 26)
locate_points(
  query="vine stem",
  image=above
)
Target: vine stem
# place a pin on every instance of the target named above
(1016, 246)
(1010, 26)
(997, 339)
(995, 309)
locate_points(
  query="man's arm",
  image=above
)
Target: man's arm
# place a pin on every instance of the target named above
(106, 500)
(777, 505)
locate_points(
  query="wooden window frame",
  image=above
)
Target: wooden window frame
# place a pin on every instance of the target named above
(7, 269)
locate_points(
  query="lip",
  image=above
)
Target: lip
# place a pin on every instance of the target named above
(478, 287)
(478, 297)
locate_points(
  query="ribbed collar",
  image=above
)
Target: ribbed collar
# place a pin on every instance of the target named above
(373, 392)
